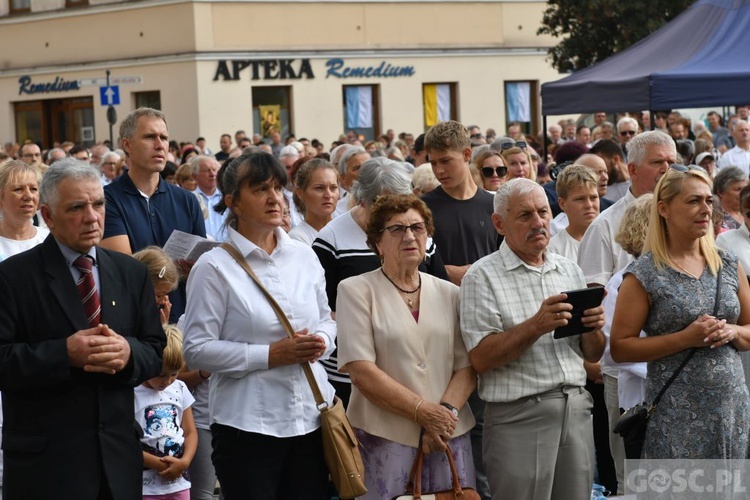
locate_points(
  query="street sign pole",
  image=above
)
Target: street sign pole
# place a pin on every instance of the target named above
(111, 143)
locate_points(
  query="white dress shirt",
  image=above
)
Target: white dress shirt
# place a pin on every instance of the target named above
(631, 377)
(229, 327)
(599, 255)
(737, 241)
(735, 157)
(215, 220)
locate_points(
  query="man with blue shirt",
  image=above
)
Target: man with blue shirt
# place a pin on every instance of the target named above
(142, 209)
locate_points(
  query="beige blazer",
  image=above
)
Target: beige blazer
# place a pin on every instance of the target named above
(374, 324)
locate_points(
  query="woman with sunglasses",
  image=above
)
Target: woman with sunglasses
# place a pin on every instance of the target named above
(489, 170)
(399, 340)
(670, 293)
(518, 161)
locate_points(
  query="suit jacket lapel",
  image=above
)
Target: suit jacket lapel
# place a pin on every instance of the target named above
(61, 284)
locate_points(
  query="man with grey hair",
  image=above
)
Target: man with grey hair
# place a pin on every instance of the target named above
(510, 302)
(54, 155)
(205, 168)
(71, 361)
(97, 154)
(142, 208)
(600, 256)
(108, 167)
(288, 157)
(738, 156)
(351, 159)
(627, 128)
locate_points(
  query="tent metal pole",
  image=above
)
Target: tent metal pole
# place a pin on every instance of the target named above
(653, 119)
(544, 137)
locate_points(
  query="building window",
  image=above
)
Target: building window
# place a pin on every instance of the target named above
(30, 125)
(272, 111)
(440, 103)
(522, 105)
(362, 110)
(20, 6)
(56, 120)
(150, 99)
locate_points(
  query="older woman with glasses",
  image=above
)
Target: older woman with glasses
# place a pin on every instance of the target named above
(489, 170)
(399, 340)
(670, 292)
(517, 160)
(342, 245)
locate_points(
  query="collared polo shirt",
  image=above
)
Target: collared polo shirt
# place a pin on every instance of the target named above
(150, 221)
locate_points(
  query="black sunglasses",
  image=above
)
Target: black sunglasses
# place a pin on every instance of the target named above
(500, 171)
(508, 145)
(627, 132)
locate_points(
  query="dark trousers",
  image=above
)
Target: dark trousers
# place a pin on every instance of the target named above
(251, 465)
(604, 463)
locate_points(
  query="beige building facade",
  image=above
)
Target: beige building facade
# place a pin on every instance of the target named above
(312, 68)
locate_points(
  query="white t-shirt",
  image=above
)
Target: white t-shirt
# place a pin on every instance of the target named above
(9, 248)
(304, 232)
(564, 244)
(559, 223)
(159, 413)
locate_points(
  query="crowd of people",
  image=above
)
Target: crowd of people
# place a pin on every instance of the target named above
(423, 278)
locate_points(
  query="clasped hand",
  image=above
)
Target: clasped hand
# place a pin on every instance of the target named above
(709, 331)
(303, 347)
(99, 350)
(439, 423)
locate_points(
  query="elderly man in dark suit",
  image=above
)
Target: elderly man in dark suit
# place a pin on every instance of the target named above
(79, 328)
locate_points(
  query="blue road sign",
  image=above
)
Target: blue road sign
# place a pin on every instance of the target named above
(110, 96)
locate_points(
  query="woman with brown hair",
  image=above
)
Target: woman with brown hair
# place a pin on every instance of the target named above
(399, 341)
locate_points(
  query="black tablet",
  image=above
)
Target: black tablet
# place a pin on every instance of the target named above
(583, 299)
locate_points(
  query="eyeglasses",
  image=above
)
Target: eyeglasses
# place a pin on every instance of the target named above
(400, 230)
(31, 155)
(476, 136)
(500, 171)
(683, 168)
(518, 144)
(627, 132)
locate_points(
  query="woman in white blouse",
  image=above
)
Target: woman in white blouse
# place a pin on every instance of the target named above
(315, 197)
(264, 422)
(19, 201)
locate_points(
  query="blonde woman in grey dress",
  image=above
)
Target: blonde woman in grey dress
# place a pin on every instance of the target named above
(669, 292)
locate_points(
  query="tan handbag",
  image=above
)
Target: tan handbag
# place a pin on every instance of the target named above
(414, 488)
(340, 444)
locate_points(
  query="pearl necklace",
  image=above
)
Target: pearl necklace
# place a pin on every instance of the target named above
(409, 300)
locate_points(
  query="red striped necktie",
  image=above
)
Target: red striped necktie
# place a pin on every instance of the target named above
(87, 290)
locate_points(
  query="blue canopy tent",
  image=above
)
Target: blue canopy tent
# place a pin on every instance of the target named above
(700, 59)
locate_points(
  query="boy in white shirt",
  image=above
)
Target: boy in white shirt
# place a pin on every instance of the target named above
(579, 199)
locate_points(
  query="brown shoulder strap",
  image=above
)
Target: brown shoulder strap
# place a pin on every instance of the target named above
(319, 401)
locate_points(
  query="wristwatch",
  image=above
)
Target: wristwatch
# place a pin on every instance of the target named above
(452, 408)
